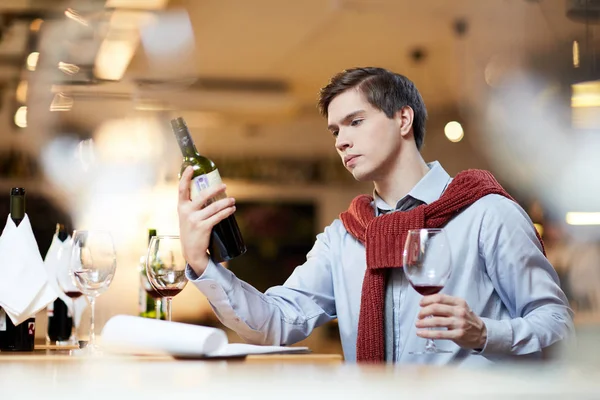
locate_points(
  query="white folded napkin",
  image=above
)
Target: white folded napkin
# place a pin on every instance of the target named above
(57, 262)
(24, 287)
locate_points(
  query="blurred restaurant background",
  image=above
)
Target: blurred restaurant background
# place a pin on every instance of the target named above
(88, 88)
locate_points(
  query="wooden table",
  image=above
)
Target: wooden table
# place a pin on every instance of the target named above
(51, 374)
(45, 353)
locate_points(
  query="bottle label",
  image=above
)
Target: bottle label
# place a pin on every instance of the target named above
(202, 182)
(2, 320)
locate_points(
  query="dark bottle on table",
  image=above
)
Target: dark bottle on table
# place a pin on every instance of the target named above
(226, 240)
(22, 336)
(150, 303)
(60, 321)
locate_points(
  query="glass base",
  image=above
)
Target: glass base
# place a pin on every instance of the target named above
(434, 351)
(89, 350)
(72, 341)
(430, 348)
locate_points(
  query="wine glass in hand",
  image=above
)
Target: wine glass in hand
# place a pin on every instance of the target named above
(427, 266)
(165, 267)
(93, 264)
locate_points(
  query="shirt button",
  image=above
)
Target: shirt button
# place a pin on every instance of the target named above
(213, 286)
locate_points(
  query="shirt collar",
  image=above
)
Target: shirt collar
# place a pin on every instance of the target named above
(427, 190)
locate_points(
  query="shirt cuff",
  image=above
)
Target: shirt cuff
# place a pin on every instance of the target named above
(215, 282)
(499, 337)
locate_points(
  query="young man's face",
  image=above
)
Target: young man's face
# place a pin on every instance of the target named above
(366, 139)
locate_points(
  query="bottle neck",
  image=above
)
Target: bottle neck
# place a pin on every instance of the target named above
(151, 234)
(186, 144)
(61, 232)
(17, 208)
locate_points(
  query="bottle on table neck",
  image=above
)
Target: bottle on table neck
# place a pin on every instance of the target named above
(226, 240)
(20, 337)
(60, 320)
(149, 299)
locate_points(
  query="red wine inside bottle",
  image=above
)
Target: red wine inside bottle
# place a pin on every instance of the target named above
(60, 322)
(20, 337)
(226, 240)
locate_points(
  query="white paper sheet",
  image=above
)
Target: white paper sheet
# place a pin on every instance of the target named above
(137, 335)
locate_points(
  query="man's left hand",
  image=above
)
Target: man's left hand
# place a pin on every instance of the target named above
(464, 327)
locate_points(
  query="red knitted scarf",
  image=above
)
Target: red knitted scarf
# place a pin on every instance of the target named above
(384, 237)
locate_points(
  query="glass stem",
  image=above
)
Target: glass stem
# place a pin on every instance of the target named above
(73, 338)
(158, 307)
(430, 344)
(169, 299)
(92, 339)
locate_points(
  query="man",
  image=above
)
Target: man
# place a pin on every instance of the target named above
(503, 299)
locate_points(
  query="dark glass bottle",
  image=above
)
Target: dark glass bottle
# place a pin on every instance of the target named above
(22, 336)
(226, 240)
(60, 322)
(149, 299)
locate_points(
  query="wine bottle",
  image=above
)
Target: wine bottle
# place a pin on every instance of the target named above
(226, 240)
(20, 337)
(149, 299)
(60, 321)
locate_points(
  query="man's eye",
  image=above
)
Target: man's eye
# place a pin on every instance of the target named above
(335, 133)
(356, 122)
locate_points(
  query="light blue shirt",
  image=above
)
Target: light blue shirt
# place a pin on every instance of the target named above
(498, 268)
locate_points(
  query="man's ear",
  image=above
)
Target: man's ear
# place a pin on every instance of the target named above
(404, 117)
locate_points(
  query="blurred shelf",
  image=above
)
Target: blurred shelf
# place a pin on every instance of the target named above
(585, 318)
(32, 185)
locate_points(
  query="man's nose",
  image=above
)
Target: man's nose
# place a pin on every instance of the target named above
(342, 142)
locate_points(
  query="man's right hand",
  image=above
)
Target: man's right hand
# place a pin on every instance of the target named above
(196, 220)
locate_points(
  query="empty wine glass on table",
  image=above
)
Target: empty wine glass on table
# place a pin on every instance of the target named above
(165, 267)
(427, 266)
(92, 267)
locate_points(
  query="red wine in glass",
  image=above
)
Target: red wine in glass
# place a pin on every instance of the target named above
(165, 268)
(153, 293)
(427, 290)
(169, 292)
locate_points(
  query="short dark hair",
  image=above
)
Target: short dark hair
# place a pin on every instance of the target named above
(385, 90)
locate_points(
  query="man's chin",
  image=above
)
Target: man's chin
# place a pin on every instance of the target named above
(361, 176)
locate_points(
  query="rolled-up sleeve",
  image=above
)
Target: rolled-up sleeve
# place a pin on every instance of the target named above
(283, 315)
(526, 283)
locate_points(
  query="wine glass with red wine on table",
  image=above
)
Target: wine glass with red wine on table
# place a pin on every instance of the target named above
(66, 284)
(165, 267)
(427, 266)
(150, 291)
